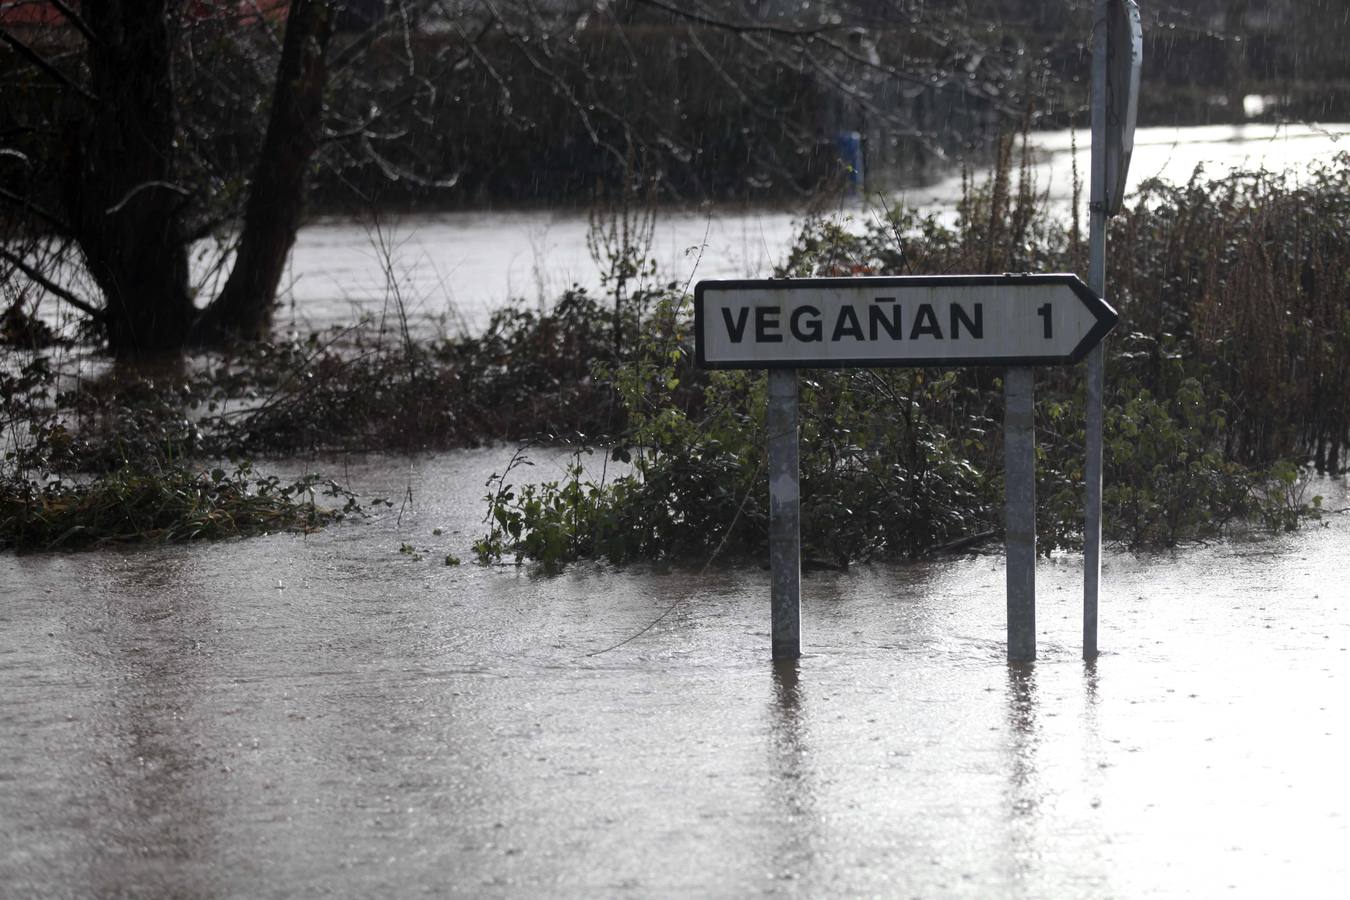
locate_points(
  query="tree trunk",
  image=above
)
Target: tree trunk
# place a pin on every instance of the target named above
(243, 311)
(119, 195)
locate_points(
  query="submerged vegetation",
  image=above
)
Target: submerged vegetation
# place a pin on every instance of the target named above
(74, 479)
(174, 504)
(1228, 377)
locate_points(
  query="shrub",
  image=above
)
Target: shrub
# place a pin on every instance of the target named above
(143, 487)
(1206, 419)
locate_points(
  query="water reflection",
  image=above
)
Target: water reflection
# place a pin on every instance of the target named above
(793, 790)
(1092, 757)
(1024, 738)
(154, 809)
(1023, 795)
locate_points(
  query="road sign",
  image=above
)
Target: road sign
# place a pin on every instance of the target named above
(1124, 59)
(945, 320)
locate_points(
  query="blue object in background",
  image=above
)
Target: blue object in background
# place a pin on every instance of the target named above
(849, 145)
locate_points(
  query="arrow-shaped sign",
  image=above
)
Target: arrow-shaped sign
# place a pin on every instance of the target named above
(945, 320)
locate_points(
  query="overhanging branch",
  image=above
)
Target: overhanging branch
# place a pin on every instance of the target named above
(50, 286)
(36, 211)
(145, 186)
(741, 27)
(47, 68)
(74, 19)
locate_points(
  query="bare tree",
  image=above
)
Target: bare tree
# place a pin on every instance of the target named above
(131, 193)
(139, 125)
(276, 199)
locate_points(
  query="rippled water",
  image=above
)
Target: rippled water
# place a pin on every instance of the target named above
(303, 716)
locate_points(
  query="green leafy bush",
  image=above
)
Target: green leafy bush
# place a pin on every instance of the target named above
(171, 505)
(125, 475)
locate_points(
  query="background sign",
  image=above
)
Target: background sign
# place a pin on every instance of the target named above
(1124, 59)
(956, 320)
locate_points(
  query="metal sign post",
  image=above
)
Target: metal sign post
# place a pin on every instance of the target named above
(1117, 54)
(785, 545)
(1124, 35)
(1019, 455)
(782, 325)
(1096, 363)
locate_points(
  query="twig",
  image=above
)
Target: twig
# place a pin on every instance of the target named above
(74, 19)
(51, 287)
(281, 392)
(143, 186)
(742, 27)
(962, 543)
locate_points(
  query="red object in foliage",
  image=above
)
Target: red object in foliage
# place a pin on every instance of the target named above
(29, 13)
(243, 12)
(40, 13)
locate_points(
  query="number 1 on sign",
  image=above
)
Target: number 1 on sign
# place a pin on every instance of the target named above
(1044, 312)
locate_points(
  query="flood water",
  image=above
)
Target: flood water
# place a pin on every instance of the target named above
(450, 271)
(342, 714)
(324, 715)
(446, 273)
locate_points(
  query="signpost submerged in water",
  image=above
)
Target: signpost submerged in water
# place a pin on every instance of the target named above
(1017, 321)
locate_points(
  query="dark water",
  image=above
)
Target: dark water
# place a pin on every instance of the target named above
(325, 716)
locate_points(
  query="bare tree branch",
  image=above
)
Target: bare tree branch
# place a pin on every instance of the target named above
(47, 68)
(145, 186)
(394, 172)
(27, 206)
(74, 19)
(742, 27)
(521, 44)
(363, 128)
(351, 53)
(50, 286)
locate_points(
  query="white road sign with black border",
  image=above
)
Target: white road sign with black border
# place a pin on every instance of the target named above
(946, 320)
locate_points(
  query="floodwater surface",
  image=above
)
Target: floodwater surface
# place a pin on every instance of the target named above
(342, 714)
(452, 270)
(448, 272)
